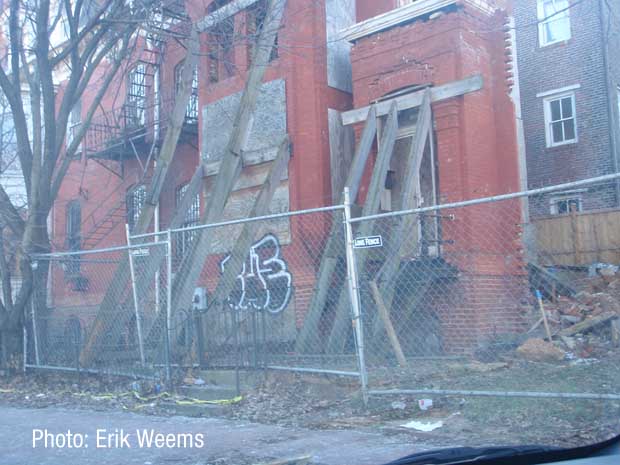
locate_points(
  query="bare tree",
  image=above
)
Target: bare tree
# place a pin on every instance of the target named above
(51, 51)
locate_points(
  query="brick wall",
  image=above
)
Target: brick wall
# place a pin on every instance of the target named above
(302, 64)
(576, 61)
(477, 157)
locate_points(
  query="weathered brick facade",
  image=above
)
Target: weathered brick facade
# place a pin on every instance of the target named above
(578, 61)
(477, 157)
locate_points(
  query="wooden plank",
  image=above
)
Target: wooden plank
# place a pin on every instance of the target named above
(439, 93)
(410, 197)
(250, 177)
(189, 272)
(341, 142)
(371, 206)
(588, 324)
(249, 231)
(110, 318)
(309, 338)
(223, 13)
(194, 188)
(384, 315)
(250, 158)
(615, 333)
(394, 17)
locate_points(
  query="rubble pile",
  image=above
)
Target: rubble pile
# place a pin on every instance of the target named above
(583, 326)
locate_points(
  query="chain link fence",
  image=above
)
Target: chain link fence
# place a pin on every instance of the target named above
(477, 298)
(470, 298)
(99, 310)
(257, 297)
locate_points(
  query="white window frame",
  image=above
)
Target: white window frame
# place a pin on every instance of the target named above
(618, 106)
(543, 21)
(547, 115)
(568, 196)
(75, 122)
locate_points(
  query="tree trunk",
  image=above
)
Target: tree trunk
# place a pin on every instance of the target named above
(11, 347)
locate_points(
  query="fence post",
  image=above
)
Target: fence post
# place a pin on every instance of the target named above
(134, 292)
(352, 279)
(35, 333)
(168, 304)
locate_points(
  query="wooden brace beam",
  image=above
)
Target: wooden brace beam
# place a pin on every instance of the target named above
(439, 93)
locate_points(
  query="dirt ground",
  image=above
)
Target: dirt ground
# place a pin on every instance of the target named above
(329, 403)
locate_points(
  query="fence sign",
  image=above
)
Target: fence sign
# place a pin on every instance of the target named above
(140, 252)
(367, 242)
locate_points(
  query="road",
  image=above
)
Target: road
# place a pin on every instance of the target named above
(224, 441)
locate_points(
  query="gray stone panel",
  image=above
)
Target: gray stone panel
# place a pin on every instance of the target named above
(339, 14)
(269, 123)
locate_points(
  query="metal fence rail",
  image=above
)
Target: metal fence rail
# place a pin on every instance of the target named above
(453, 299)
(62, 322)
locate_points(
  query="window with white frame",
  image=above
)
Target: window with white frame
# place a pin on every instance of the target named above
(136, 97)
(565, 204)
(553, 21)
(134, 204)
(192, 218)
(560, 119)
(75, 121)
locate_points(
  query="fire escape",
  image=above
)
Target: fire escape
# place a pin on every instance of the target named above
(135, 129)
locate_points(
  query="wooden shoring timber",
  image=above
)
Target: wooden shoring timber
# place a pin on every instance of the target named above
(409, 199)
(201, 246)
(308, 339)
(194, 188)
(439, 93)
(110, 320)
(384, 316)
(249, 230)
(342, 320)
(223, 13)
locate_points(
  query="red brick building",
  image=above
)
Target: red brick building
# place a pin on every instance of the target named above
(398, 47)
(430, 43)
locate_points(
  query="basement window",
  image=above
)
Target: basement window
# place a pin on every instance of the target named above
(560, 119)
(563, 205)
(553, 21)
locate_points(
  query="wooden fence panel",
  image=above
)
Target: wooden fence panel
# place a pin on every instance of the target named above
(578, 238)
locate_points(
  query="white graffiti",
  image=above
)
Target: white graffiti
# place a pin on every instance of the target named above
(264, 282)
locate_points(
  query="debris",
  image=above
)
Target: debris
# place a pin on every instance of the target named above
(423, 426)
(569, 342)
(570, 319)
(588, 324)
(425, 404)
(538, 350)
(603, 269)
(398, 405)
